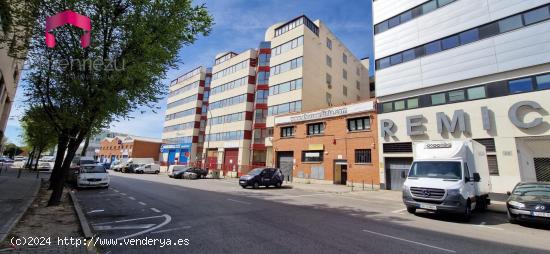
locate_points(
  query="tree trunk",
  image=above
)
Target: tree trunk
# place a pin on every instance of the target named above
(30, 159)
(85, 148)
(62, 142)
(38, 159)
(59, 181)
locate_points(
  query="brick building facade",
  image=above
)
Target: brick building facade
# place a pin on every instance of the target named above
(117, 148)
(337, 145)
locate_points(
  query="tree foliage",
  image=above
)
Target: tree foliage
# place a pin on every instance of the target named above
(38, 134)
(133, 44)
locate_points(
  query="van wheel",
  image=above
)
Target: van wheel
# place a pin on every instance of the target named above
(482, 204)
(156, 172)
(467, 212)
(256, 185)
(411, 210)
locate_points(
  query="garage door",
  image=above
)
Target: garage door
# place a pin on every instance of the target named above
(230, 160)
(395, 169)
(285, 161)
(542, 169)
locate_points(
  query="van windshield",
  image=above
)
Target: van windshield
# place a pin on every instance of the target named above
(436, 169)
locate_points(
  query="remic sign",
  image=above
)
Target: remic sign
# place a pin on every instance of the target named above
(72, 18)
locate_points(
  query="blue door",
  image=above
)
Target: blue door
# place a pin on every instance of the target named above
(171, 156)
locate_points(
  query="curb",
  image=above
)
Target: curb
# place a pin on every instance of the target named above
(84, 225)
(24, 210)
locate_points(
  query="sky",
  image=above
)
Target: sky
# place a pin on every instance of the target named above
(239, 25)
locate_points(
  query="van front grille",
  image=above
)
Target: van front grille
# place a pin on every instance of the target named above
(427, 193)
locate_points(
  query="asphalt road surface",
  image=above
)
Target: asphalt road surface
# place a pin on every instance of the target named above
(152, 213)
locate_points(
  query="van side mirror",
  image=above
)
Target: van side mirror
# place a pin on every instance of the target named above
(477, 178)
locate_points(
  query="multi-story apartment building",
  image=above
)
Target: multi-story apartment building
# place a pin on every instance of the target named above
(310, 68)
(228, 132)
(456, 69)
(185, 117)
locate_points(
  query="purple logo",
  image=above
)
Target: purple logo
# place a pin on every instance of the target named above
(72, 18)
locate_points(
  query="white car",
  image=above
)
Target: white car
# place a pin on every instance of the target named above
(92, 175)
(45, 166)
(147, 168)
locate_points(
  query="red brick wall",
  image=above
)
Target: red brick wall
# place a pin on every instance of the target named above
(144, 149)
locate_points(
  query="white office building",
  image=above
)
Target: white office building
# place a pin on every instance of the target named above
(457, 69)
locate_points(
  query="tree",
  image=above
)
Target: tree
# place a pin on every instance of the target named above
(12, 150)
(133, 43)
(37, 133)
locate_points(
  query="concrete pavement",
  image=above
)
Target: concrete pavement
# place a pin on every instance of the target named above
(219, 216)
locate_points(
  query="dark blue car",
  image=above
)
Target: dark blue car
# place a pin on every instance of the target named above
(262, 177)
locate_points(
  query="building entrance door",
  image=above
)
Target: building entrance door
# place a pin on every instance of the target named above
(396, 171)
(340, 175)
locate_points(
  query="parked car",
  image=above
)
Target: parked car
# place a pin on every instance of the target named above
(45, 166)
(529, 201)
(92, 175)
(148, 168)
(190, 175)
(130, 168)
(262, 177)
(179, 171)
(174, 170)
(106, 165)
(5, 160)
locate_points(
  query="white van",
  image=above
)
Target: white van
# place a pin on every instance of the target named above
(450, 176)
(148, 168)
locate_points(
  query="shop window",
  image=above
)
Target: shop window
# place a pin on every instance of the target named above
(543, 82)
(312, 156)
(359, 124)
(315, 129)
(363, 156)
(287, 131)
(520, 85)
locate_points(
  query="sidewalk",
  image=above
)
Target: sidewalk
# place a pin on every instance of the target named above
(16, 195)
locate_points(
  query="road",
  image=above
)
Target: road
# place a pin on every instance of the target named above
(217, 216)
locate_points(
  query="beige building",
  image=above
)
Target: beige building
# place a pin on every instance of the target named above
(310, 68)
(185, 117)
(228, 132)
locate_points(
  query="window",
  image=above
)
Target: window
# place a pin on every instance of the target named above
(285, 87)
(493, 165)
(344, 74)
(312, 156)
(456, 96)
(393, 22)
(450, 42)
(287, 66)
(384, 63)
(429, 6)
(287, 131)
(363, 156)
(387, 107)
(329, 81)
(329, 99)
(510, 23)
(381, 27)
(357, 85)
(536, 15)
(444, 2)
(408, 55)
(358, 71)
(359, 124)
(412, 103)
(396, 59)
(399, 105)
(406, 16)
(469, 36)
(476, 93)
(329, 43)
(543, 82)
(261, 96)
(438, 99)
(287, 46)
(315, 129)
(345, 90)
(432, 48)
(344, 58)
(520, 85)
(329, 61)
(295, 106)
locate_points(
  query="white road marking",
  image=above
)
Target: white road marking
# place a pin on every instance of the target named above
(238, 201)
(96, 211)
(120, 221)
(482, 225)
(123, 227)
(166, 221)
(116, 190)
(141, 203)
(171, 229)
(155, 210)
(123, 194)
(400, 210)
(409, 241)
(304, 195)
(132, 198)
